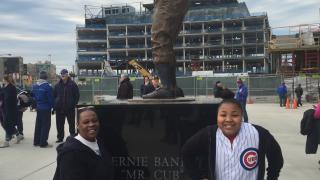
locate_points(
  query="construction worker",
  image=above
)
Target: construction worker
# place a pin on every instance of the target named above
(282, 92)
(299, 93)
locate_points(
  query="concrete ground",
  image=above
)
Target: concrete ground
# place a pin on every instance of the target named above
(25, 162)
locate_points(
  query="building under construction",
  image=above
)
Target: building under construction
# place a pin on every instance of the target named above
(217, 35)
(296, 50)
(11, 65)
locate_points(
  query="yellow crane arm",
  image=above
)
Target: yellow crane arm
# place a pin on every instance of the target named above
(138, 67)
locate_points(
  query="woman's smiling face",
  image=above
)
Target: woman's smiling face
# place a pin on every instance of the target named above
(229, 118)
(88, 125)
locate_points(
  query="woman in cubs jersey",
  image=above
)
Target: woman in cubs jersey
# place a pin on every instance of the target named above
(232, 149)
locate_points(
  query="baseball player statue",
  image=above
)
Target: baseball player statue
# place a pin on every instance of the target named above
(167, 22)
(232, 149)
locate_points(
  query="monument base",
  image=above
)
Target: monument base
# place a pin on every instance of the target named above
(180, 99)
(145, 136)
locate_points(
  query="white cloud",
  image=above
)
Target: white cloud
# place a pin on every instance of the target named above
(36, 28)
(287, 12)
(36, 38)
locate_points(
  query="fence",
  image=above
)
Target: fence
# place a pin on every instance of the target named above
(91, 87)
(310, 84)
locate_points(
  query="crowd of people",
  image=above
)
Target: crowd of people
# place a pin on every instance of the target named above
(83, 149)
(46, 100)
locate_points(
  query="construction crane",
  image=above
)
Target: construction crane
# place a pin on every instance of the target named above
(141, 70)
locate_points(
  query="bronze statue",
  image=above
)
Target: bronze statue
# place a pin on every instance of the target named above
(167, 22)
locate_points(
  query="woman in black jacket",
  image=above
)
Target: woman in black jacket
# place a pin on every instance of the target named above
(125, 90)
(310, 126)
(84, 157)
(233, 149)
(9, 108)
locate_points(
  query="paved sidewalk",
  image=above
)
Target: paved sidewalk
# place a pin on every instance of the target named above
(23, 161)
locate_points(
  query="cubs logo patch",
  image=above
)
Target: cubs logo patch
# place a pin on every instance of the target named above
(249, 158)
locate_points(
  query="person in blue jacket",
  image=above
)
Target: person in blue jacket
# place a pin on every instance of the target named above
(282, 92)
(241, 96)
(43, 95)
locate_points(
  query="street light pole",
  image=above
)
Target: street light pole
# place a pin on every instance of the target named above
(49, 58)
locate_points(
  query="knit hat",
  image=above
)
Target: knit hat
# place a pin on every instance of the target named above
(64, 71)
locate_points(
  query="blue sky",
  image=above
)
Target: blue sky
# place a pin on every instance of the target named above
(34, 29)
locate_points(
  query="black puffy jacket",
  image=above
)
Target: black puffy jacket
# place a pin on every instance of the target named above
(125, 90)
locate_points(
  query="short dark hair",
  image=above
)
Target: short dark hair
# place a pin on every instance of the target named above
(43, 75)
(231, 101)
(83, 109)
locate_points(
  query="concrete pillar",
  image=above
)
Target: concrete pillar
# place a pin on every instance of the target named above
(108, 55)
(203, 65)
(77, 70)
(203, 40)
(265, 65)
(184, 68)
(127, 44)
(108, 43)
(243, 38)
(146, 54)
(222, 53)
(145, 30)
(243, 26)
(183, 36)
(222, 38)
(145, 42)
(222, 66)
(203, 53)
(203, 30)
(244, 69)
(222, 26)
(243, 52)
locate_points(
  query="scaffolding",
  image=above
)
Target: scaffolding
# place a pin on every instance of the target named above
(223, 37)
(300, 45)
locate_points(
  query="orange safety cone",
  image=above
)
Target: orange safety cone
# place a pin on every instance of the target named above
(294, 104)
(288, 104)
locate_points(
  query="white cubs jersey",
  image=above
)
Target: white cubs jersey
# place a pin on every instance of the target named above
(239, 160)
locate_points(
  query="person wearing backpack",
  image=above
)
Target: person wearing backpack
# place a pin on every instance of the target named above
(24, 101)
